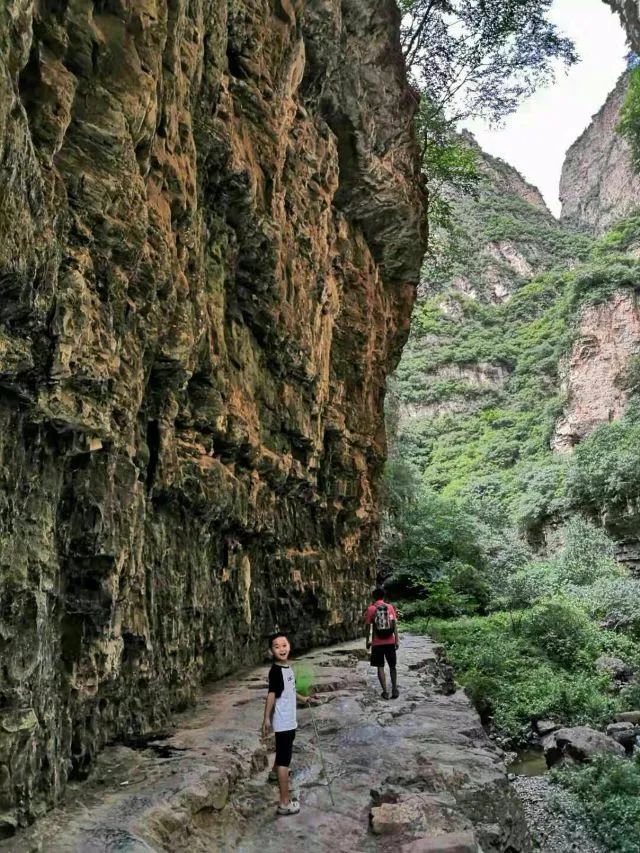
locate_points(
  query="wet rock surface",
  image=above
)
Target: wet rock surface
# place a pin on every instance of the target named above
(414, 774)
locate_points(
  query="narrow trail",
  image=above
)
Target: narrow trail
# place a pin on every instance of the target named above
(414, 774)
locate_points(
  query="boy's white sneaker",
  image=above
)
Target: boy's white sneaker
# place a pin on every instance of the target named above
(292, 807)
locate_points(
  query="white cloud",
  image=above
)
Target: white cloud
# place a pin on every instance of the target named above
(536, 137)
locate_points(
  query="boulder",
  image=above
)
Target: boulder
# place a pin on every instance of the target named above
(616, 622)
(619, 669)
(628, 717)
(624, 733)
(449, 842)
(580, 743)
(417, 813)
(546, 727)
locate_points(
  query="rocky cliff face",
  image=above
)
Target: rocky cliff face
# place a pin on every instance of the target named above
(594, 377)
(598, 184)
(210, 235)
(630, 17)
(504, 233)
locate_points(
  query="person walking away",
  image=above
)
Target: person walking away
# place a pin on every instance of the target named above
(280, 715)
(382, 638)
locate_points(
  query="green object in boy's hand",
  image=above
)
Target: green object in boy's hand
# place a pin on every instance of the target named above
(304, 678)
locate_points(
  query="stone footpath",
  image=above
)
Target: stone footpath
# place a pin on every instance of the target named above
(416, 774)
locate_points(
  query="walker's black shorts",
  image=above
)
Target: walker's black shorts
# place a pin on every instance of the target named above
(379, 653)
(284, 747)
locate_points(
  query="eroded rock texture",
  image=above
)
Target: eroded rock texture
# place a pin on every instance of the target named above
(594, 377)
(209, 239)
(598, 184)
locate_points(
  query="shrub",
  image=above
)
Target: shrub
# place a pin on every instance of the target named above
(435, 599)
(513, 681)
(609, 790)
(525, 588)
(617, 598)
(587, 555)
(562, 631)
(542, 691)
(605, 470)
(470, 583)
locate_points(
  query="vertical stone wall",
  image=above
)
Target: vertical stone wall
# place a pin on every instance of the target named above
(598, 184)
(210, 236)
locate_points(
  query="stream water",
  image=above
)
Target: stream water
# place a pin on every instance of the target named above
(529, 762)
(553, 816)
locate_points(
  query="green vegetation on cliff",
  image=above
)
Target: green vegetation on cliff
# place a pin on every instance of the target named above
(479, 392)
(489, 540)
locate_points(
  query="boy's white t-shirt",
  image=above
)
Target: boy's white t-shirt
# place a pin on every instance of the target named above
(282, 682)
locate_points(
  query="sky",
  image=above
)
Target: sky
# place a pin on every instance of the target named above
(535, 138)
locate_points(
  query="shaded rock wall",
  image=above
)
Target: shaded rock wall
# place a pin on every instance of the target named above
(630, 17)
(210, 235)
(598, 184)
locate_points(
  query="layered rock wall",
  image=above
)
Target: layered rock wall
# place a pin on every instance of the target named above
(210, 235)
(598, 184)
(595, 375)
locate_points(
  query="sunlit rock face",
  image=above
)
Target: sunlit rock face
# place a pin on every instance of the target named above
(598, 184)
(210, 236)
(594, 377)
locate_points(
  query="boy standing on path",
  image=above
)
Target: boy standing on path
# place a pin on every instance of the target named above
(382, 637)
(280, 714)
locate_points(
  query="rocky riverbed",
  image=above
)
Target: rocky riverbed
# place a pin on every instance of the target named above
(415, 774)
(554, 818)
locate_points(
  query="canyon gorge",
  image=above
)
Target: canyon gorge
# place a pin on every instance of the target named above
(213, 223)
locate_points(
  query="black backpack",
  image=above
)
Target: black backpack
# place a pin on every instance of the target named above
(383, 623)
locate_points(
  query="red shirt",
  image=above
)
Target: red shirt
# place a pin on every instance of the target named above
(369, 617)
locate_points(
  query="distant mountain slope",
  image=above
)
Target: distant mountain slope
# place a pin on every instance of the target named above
(504, 234)
(516, 391)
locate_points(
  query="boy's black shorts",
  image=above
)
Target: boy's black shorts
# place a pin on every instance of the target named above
(379, 653)
(284, 747)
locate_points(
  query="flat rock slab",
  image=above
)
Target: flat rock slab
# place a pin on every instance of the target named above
(413, 774)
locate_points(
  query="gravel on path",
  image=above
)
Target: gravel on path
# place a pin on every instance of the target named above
(554, 817)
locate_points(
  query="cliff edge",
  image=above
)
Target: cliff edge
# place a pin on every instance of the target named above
(598, 184)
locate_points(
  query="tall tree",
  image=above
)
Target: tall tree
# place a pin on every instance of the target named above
(470, 59)
(481, 57)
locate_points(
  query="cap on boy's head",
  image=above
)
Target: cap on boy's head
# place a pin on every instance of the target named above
(275, 636)
(377, 593)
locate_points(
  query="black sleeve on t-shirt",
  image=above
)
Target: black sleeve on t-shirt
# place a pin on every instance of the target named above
(276, 681)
